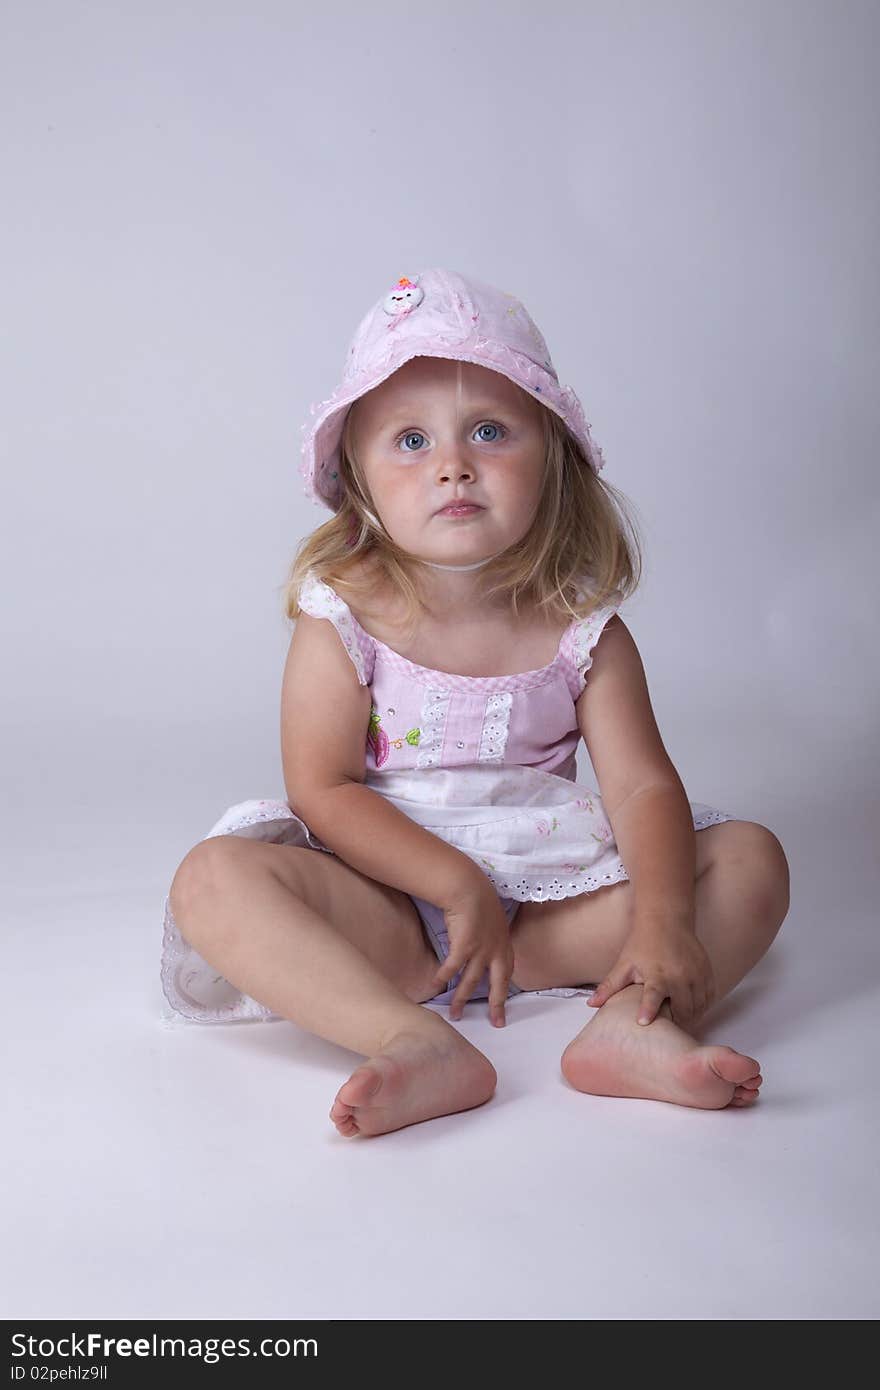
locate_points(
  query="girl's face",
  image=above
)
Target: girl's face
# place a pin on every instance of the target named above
(438, 431)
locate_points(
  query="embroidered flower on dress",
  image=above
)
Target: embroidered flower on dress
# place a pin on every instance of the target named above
(546, 828)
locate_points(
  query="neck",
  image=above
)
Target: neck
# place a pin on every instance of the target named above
(434, 566)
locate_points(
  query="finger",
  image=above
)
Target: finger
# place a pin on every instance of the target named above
(467, 984)
(695, 1010)
(603, 991)
(682, 1006)
(455, 961)
(652, 998)
(499, 977)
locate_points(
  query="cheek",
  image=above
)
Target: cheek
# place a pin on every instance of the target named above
(399, 502)
(396, 491)
(523, 490)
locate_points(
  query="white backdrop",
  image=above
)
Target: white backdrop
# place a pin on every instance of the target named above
(200, 202)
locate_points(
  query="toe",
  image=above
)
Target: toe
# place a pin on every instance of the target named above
(743, 1095)
(360, 1087)
(733, 1066)
(347, 1128)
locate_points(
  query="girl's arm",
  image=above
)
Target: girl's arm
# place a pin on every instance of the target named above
(377, 839)
(325, 716)
(642, 793)
(655, 835)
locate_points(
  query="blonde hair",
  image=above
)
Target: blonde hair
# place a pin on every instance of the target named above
(583, 549)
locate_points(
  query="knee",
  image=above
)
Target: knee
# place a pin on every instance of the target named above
(200, 872)
(756, 859)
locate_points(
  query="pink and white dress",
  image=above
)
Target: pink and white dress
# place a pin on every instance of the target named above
(488, 763)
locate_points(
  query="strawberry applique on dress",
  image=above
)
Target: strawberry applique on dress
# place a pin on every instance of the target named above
(379, 741)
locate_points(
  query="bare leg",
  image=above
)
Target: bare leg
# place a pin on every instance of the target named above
(741, 903)
(237, 907)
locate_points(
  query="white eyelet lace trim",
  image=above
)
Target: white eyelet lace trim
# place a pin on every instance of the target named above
(435, 709)
(496, 725)
(586, 635)
(532, 888)
(318, 599)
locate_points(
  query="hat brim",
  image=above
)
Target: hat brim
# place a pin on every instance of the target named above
(321, 446)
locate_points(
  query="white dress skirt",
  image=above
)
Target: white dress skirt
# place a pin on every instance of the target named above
(535, 834)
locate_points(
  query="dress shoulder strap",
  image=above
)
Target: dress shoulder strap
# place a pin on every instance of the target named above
(586, 635)
(320, 600)
(581, 640)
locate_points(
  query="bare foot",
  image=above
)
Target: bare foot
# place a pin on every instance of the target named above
(417, 1076)
(613, 1055)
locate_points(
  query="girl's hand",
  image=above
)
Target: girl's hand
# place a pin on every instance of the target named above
(479, 936)
(671, 963)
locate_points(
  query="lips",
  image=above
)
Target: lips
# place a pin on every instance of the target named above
(461, 502)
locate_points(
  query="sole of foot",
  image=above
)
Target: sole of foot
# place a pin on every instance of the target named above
(615, 1056)
(417, 1076)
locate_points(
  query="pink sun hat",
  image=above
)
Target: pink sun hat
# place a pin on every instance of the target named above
(436, 313)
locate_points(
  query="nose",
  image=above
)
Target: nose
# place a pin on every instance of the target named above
(454, 468)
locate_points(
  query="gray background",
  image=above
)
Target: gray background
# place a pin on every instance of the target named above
(200, 204)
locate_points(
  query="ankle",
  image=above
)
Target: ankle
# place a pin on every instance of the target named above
(423, 1023)
(629, 1000)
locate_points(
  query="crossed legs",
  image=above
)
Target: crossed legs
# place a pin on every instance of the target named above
(346, 958)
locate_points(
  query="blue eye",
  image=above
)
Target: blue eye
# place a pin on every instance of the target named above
(487, 424)
(412, 434)
(490, 425)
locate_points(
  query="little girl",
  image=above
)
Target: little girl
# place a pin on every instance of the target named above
(445, 664)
